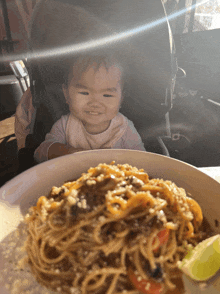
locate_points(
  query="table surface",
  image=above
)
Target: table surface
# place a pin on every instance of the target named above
(213, 171)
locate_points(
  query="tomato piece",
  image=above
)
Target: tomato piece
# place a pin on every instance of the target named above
(163, 237)
(145, 286)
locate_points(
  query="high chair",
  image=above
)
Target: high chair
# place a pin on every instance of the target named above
(142, 30)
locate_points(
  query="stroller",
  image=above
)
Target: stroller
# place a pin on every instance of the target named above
(141, 27)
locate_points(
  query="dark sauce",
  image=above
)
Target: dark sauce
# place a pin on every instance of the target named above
(156, 274)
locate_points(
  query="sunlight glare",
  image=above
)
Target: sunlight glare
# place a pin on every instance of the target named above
(117, 37)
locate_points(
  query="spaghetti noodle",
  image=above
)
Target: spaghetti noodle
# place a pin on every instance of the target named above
(85, 236)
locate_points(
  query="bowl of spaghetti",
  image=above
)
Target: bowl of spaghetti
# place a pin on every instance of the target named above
(109, 221)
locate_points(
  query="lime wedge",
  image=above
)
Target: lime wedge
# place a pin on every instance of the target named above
(203, 261)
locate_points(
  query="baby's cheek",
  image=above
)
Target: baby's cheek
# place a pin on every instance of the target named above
(113, 103)
(113, 109)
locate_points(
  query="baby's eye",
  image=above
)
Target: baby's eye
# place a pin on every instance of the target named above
(107, 95)
(84, 93)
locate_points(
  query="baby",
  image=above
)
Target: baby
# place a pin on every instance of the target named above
(93, 89)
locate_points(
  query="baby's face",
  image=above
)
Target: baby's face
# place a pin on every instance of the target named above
(95, 97)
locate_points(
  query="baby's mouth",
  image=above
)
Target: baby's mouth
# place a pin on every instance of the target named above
(93, 112)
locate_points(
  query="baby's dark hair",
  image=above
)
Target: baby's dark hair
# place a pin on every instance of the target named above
(82, 63)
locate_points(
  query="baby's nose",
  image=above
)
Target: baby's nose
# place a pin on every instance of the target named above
(94, 100)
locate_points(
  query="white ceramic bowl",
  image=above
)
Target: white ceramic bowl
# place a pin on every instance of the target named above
(20, 193)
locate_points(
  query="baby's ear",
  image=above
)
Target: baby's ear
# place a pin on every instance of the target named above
(65, 92)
